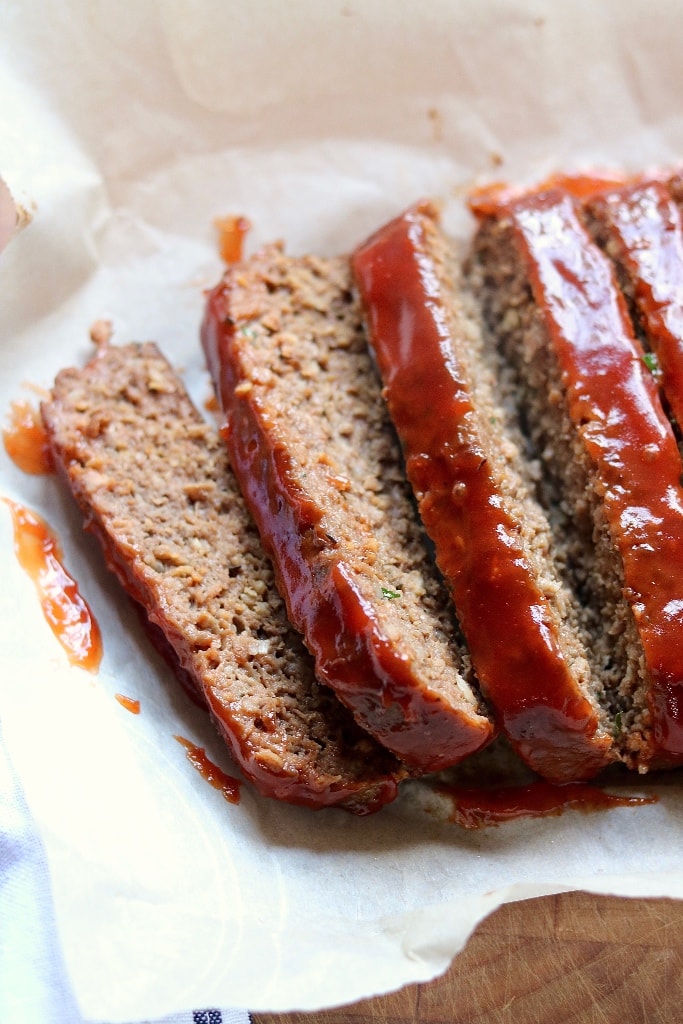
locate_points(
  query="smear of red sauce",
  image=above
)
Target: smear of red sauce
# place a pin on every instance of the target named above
(65, 610)
(481, 808)
(215, 776)
(25, 440)
(211, 404)
(488, 200)
(231, 234)
(581, 186)
(129, 703)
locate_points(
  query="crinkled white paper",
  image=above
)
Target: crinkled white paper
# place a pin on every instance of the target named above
(126, 129)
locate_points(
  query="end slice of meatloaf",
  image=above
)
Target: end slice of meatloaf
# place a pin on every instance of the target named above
(154, 485)
(611, 467)
(465, 461)
(639, 227)
(320, 468)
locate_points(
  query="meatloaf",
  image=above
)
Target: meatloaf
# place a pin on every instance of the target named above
(315, 454)
(639, 228)
(153, 482)
(611, 467)
(464, 458)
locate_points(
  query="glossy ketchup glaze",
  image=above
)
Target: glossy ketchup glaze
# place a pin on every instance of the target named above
(642, 226)
(504, 615)
(474, 808)
(614, 405)
(232, 232)
(65, 610)
(215, 776)
(26, 440)
(352, 655)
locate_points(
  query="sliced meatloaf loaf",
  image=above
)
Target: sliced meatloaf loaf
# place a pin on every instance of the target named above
(464, 458)
(153, 482)
(318, 463)
(611, 467)
(639, 227)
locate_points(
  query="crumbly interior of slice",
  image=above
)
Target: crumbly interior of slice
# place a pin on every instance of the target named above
(582, 544)
(157, 477)
(304, 345)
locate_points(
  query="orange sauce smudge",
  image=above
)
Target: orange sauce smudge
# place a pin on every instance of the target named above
(215, 776)
(25, 440)
(492, 199)
(583, 185)
(231, 234)
(211, 404)
(485, 200)
(129, 703)
(474, 808)
(65, 610)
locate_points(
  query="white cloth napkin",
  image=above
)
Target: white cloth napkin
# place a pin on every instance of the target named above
(34, 988)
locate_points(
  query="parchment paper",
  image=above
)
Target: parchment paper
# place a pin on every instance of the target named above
(126, 129)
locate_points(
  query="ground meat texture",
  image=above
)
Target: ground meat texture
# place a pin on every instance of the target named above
(610, 465)
(464, 457)
(154, 484)
(320, 468)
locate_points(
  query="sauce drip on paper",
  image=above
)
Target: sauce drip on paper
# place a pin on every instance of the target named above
(215, 776)
(231, 234)
(65, 610)
(129, 703)
(474, 808)
(25, 440)
(491, 199)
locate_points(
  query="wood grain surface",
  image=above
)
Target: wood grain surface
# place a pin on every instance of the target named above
(573, 958)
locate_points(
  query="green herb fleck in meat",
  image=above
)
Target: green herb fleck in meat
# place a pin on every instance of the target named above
(650, 360)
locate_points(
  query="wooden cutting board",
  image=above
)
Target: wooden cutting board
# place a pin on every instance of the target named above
(567, 959)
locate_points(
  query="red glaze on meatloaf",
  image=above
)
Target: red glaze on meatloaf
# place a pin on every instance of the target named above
(607, 449)
(312, 447)
(639, 227)
(490, 536)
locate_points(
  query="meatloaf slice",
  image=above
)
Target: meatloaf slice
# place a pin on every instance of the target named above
(464, 458)
(639, 227)
(313, 449)
(611, 468)
(153, 482)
